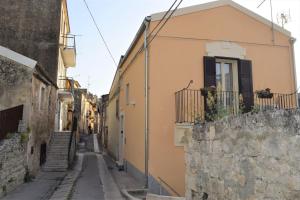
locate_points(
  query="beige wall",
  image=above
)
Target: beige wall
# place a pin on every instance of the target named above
(175, 58)
(132, 73)
(112, 119)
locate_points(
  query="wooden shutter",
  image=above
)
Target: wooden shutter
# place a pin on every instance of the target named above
(209, 71)
(245, 83)
(209, 64)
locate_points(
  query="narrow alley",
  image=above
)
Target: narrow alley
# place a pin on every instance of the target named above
(149, 100)
(85, 181)
(89, 185)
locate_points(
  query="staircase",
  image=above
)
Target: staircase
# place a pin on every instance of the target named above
(57, 156)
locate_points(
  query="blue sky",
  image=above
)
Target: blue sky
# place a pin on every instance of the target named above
(119, 21)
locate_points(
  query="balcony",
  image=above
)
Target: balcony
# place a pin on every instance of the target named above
(68, 48)
(66, 90)
(199, 106)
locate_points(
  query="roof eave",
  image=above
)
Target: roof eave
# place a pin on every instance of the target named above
(135, 40)
(215, 4)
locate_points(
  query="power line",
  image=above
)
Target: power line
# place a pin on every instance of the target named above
(164, 23)
(170, 15)
(166, 13)
(100, 33)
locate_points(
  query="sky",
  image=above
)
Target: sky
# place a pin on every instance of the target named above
(119, 21)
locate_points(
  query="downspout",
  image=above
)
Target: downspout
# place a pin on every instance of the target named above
(292, 42)
(146, 22)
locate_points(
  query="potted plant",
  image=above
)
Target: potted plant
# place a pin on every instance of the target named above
(264, 94)
(205, 90)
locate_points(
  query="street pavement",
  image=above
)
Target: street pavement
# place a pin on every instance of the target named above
(88, 186)
(89, 180)
(40, 188)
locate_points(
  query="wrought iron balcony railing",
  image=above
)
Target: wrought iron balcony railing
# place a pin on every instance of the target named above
(194, 106)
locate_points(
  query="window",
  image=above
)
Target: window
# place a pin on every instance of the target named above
(117, 108)
(127, 94)
(227, 82)
(229, 76)
(42, 98)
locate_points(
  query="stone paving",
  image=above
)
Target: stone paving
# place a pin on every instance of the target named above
(89, 185)
(89, 180)
(42, 187)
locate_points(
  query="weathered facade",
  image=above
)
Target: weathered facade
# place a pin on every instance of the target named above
(23, 83)
(66, 85)
(12, 164)
(34, 31)
(103, 120)
(253, 156)
(79, 94)
(38, 31)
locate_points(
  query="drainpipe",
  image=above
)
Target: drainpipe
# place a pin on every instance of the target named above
(146, 22)
(292, 42)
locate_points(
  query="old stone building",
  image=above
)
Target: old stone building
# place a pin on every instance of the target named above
(23, 84)
(38, 34)
(33, 32)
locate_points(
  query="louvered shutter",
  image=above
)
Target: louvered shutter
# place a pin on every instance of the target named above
(209, 71)
(209, 79)
(245, 83)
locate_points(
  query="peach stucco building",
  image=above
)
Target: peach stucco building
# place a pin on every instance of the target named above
(197, 43)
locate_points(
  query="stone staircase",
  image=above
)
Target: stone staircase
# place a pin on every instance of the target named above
(57, 155)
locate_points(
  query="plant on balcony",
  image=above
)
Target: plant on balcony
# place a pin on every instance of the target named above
(206, 90)
(264, 94)
(217, 110)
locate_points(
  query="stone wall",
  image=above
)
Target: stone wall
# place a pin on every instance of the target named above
(247, 157)
(19, 85)
(12, 164)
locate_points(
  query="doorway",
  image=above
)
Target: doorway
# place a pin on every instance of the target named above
(121, 141)
(43, 153)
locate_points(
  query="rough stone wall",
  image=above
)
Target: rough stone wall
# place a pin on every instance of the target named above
(15, 85)
(19, 85)
(42, 122)
(12, 167)
(247, 157)
(32, 28)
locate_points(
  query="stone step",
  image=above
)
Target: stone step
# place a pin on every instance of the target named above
(56, 164)
(60, 141)
(61, 144)
(54, 169)
(57, 159)
(58, 149)
(65, 146)
(57, 153)
(64, 157)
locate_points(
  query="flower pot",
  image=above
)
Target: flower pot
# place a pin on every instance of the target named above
(265, 95)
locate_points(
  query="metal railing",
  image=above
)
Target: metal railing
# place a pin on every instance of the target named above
(192, 106)
(66, 81)
(69, 42)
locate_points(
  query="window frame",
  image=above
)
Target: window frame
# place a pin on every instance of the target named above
(127, 90)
